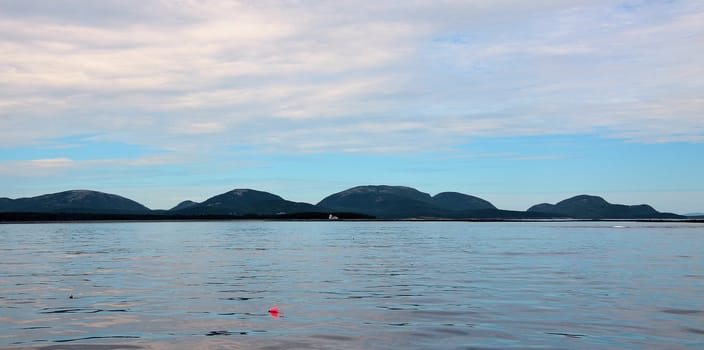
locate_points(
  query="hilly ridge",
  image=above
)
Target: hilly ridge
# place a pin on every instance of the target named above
(85, 201)
(379, 201)
(382, 201)
(460, 201)
(594, 207)
(244, 202)
(397, 202)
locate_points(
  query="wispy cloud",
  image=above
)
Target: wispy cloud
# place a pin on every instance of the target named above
(52, 163)
(163, 71)
(198, 128)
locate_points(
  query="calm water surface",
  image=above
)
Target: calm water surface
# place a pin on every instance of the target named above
(352, 285)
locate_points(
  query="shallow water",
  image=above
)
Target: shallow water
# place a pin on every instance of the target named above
(352, 285)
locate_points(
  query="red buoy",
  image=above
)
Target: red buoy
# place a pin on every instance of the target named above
(274, 311)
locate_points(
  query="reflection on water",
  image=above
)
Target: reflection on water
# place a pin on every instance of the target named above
(352, 285)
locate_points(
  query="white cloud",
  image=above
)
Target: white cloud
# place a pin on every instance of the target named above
(198, 128)
(51, 163)
(50, 167)
(350, 76)
(36, 167)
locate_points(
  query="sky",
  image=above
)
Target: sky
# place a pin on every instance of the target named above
(518, 102)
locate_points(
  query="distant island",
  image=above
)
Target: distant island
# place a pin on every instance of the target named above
(381, 202)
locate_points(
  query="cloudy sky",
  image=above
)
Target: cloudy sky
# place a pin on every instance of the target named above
(518, 102)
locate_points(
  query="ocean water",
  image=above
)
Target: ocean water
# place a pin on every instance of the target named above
(352, 285)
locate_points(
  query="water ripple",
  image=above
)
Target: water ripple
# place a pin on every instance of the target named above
(97, 337)
(351, 285)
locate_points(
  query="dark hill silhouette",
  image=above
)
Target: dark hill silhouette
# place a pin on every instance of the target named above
(399, 202)
(383, 201)
(460, 201)
(83, 201)
(378, 192)
(499, 214)
(594, 207)
(6, 204)
(184, 205)
(245, 202)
